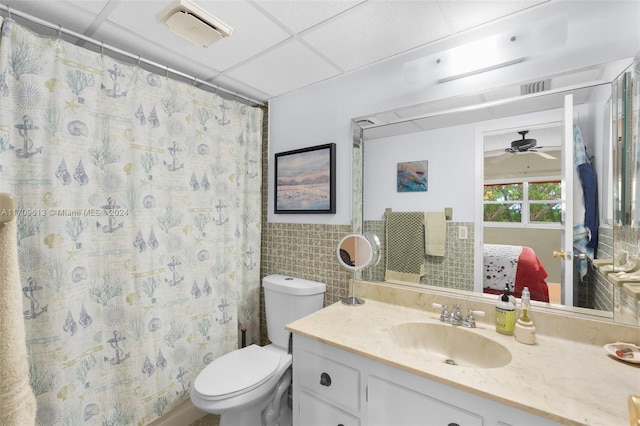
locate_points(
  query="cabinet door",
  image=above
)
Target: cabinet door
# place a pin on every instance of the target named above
(337, 383)
(392, 404)
(314, 412)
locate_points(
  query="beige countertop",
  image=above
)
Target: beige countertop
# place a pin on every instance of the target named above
(567, 381)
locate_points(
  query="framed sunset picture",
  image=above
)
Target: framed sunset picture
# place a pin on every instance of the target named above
(305, 180)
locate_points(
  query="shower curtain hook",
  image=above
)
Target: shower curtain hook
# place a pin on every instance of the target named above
(102, 49)
(167, 71)
(59, 32)
(9, 12)
(195, 80)
(138, 62)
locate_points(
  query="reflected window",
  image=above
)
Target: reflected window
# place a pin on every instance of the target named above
(526, 202)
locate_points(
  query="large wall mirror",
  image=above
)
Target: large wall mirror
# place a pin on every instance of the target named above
(505, 166)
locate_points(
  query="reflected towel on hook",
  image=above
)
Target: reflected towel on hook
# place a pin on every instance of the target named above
(17, 401)
(405, 246)
(435, 229)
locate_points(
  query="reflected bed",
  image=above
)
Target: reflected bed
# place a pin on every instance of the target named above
(515, 266)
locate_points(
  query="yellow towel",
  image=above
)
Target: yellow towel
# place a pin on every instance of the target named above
(405, 246)
(435, 230)
(17, 402)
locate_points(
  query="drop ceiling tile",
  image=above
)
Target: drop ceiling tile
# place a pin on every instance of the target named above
(301, 15)
(66, 14)
(377, 30)
(235, 86)
(284, 69)
(462, 15)
(252, 31)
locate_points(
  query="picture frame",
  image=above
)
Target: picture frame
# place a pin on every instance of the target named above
(305, 180)
(413, 176)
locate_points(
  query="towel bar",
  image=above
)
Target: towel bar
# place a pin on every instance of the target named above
(7, 212)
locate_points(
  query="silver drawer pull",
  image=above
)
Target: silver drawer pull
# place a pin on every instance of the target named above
(325, 379)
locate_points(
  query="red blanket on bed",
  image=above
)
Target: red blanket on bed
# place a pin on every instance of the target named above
(529, 273)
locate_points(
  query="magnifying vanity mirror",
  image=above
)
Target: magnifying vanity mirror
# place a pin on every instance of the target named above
(470, 145)
(356, 252)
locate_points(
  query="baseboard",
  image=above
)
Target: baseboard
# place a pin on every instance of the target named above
(183, 415)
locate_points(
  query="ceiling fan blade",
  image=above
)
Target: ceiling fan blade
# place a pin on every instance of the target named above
(494, 151)
(501, 158)
(545, 155)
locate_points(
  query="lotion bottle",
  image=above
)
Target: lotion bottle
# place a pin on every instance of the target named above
(525, 331)
(505, 314)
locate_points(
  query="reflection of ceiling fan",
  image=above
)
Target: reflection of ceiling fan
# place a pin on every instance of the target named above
(519, 146)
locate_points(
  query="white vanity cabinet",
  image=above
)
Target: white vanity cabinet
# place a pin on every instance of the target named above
(332, 386)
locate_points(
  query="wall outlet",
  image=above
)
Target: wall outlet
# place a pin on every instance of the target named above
(463, 232)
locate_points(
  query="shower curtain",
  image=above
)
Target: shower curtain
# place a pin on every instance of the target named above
(138, 230)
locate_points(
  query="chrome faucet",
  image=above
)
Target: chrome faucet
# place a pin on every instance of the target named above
(455, 317)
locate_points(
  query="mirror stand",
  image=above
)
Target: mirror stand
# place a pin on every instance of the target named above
(352, 300)
(355, 252)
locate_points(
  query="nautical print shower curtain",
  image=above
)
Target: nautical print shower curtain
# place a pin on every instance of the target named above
(138, 227)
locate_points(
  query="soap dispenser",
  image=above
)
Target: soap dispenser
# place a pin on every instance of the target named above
(505, 314)
(525, 331)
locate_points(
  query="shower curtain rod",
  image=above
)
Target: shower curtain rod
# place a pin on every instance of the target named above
(102, 45)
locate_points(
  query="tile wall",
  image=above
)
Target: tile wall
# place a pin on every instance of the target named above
(454, 270)
(301, 250)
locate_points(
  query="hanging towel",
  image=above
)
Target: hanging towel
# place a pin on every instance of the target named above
(435, 225)
(17, 402)
(405, 246)
(585, 207)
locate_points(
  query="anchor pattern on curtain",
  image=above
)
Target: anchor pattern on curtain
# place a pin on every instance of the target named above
(138, 228)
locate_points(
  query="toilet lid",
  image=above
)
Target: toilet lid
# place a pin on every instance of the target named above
(237, 371)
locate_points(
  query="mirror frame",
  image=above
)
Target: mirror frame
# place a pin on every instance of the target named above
(371, 242)
(360, 124)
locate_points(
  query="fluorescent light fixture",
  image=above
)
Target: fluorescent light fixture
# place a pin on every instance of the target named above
(195, 24)
(481, 70)
(489, 53)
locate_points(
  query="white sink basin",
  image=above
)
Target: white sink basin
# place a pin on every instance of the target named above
(453, 345)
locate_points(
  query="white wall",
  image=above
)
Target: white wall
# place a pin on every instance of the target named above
(598, 31)
(450, 153)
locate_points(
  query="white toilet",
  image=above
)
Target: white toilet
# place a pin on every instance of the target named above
(249, 386)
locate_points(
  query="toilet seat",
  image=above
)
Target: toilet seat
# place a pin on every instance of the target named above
(236, 372)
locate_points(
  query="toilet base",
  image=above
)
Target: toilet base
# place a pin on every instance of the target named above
(275, 412)
(241, 418)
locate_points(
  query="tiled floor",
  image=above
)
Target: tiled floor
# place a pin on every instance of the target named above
(208, 420)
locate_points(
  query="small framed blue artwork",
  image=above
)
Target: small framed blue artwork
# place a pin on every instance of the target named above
(413, 176)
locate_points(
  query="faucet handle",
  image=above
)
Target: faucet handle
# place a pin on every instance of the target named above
(444, 315)
(475, 313)
(471, 320)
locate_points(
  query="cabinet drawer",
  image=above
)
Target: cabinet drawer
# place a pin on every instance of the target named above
(334, 382)
(314, 412)
(390, 403)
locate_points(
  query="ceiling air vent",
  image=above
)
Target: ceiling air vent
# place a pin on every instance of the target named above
(535, 87)
(195, 24)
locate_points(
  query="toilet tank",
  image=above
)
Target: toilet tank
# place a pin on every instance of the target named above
(287, 299)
